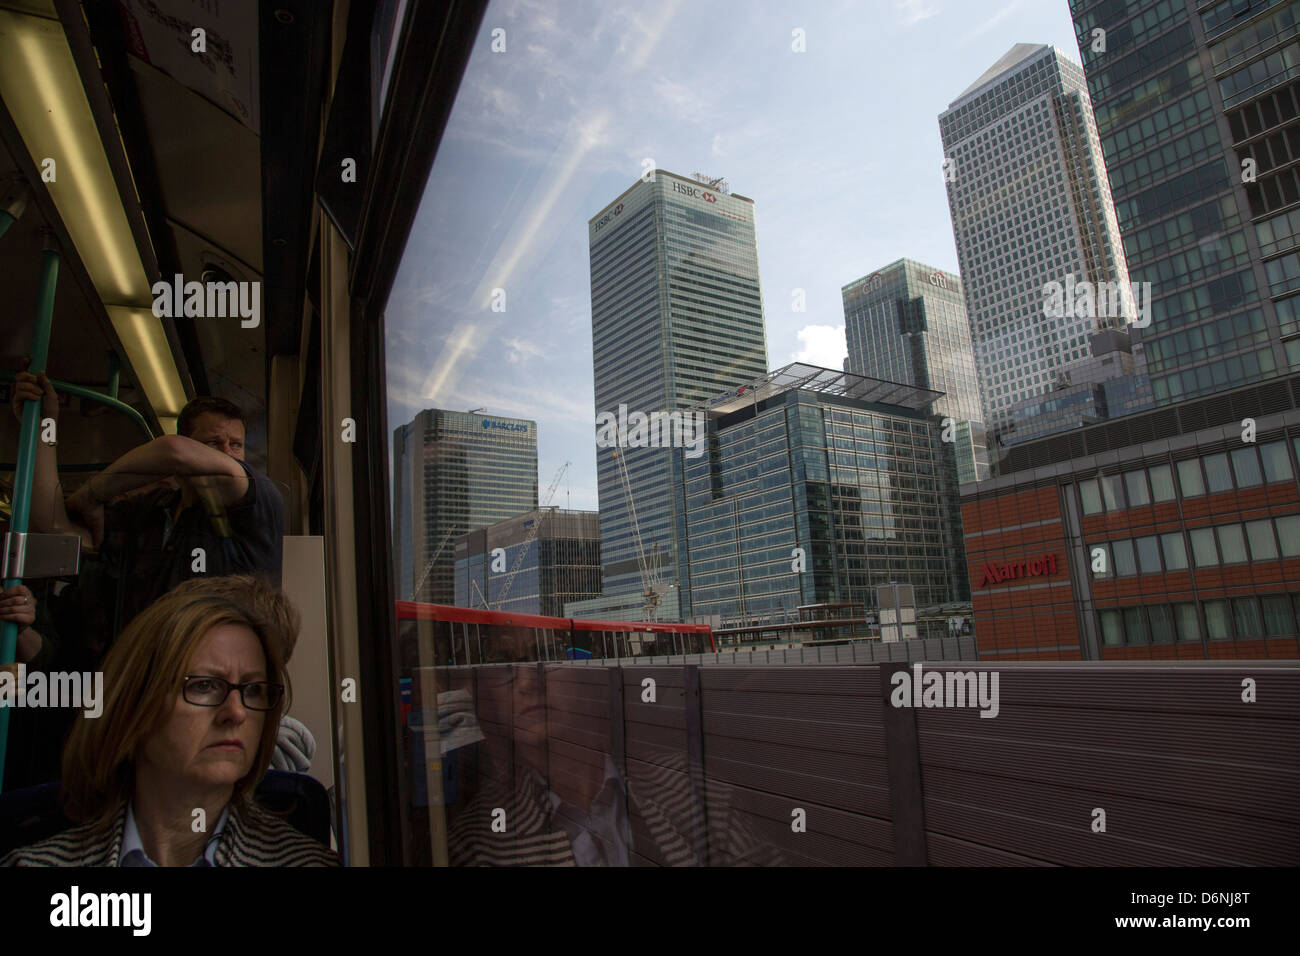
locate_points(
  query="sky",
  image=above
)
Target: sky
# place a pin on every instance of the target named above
(837, 144)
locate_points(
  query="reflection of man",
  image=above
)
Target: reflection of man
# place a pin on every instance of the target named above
(177, 507)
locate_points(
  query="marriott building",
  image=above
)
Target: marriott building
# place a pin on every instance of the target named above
(1169, 534)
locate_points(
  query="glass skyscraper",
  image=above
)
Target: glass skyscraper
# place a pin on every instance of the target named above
(907, 323)
(677, 317)
(454, 472)
(1198, 109)
(1030, 206)
(560, 562)
(851, 470)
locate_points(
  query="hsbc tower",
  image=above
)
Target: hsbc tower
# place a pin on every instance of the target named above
(677, 319)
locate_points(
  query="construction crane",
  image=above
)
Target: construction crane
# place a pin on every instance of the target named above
(652, 586)
(543, 513)
(415, 592)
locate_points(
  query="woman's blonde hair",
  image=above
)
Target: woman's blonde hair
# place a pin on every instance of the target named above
(143, 673)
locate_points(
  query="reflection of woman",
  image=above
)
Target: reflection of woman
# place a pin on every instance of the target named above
(193, 694)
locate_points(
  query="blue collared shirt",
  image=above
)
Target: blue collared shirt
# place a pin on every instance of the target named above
(132, 852)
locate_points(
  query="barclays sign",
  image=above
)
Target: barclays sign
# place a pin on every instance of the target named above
(504, 426)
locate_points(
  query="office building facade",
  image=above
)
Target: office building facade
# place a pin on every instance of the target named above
(454, 472)
(818, 487)
(907, 323)
(1031, 206)
(530, 564)
(1199, 119)
(1169, 534)
(677, 317)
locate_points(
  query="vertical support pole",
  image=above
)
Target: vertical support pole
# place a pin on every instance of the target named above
(695, 764)
(26, 461)
(618, 748)
(114, 374)
(903, 757)
(546, 732)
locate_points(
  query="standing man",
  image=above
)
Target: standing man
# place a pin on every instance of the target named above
(177, 507)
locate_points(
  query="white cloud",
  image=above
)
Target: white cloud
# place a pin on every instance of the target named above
(684, 101)
(822, 345)
(521, 349)
(444, 374)
(914, 11)
(993, 21)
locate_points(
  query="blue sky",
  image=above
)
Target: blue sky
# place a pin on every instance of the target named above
(838, 146)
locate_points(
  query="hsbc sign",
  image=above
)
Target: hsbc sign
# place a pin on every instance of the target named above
(1001, 573)
(694, 192)
(606, 219)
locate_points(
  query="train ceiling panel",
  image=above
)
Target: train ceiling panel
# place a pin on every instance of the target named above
(225, 73)
(207, 164)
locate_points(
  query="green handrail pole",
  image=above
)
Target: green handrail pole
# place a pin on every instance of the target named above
(6, 220)
(22, 503)
(102, 398)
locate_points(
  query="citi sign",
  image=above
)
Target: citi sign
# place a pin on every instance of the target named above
(998, 573)
(943, 282)
(505, 426)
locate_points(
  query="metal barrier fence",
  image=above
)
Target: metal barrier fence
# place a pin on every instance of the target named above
(1073, 764)
(857, 652)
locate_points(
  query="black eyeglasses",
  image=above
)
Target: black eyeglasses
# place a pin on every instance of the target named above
(213, 691)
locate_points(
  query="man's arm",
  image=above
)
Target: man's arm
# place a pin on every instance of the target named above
(48, 514)
(217, 478)
(171, 455)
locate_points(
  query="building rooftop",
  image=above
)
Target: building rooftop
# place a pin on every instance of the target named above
(1009, 61)
(827, 381)
(1209, 418)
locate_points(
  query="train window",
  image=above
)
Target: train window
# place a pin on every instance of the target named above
(574, 273)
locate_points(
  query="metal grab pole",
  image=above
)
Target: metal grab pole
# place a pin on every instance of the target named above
(13, 201)
(26, 461)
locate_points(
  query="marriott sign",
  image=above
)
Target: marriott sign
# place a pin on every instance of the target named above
(1037, 567)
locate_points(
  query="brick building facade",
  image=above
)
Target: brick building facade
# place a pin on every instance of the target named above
(1183, 546)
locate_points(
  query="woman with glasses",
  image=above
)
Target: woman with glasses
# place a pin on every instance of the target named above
(193, 693)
